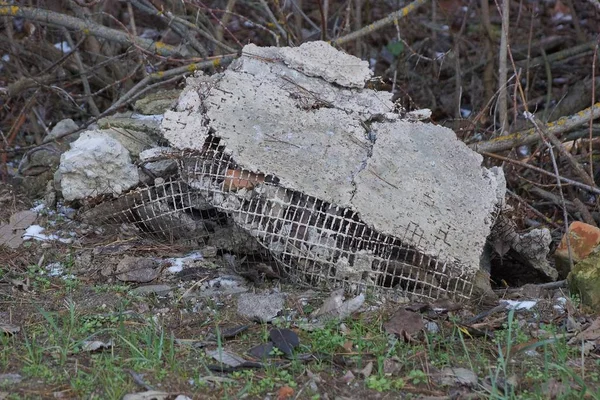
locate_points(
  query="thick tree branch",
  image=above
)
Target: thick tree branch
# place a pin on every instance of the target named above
(529, 136)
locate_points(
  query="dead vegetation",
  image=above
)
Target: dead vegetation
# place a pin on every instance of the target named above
(517, 82)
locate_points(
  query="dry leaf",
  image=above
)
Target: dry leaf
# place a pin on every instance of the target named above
(284, 393)
(11, 234)
(404, 324)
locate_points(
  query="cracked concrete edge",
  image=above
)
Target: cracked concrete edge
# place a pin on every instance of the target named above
(257, 118)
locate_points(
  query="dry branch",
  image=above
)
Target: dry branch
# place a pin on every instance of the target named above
(87, 27)
(562, 55)
(529, 136)
(382, 23)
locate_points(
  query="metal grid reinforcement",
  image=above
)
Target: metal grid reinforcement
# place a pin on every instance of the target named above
(311, 241)
(315, 242)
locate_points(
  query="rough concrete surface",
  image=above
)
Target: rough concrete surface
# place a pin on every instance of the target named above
(303, 116)
(260, 307)
(95, 164)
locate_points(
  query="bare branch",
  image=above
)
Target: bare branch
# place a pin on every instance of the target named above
(529, 136)
(382, 23)
(87, 27)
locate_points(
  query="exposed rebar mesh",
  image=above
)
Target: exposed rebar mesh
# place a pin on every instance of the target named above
(315, 242)
(311, 241)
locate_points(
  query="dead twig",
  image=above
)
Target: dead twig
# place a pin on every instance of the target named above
(561, 149)
(546, 136)
(273, 20)
(84, 81)
(532, 209)
(503, 68)
(382, 23)
(589, 188)
(576, 51)
(86, 26)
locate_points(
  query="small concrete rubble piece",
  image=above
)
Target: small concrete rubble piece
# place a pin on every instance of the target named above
(96, 164)
(337, 183)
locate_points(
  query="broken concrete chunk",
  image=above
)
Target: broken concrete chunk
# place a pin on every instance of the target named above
(96, 164)
(319, 59)
(62, 127)
(11, 234)
(530, 248)
(420, 174)
(134, 141)
(302, 115)
(155, 160)
(260, 307)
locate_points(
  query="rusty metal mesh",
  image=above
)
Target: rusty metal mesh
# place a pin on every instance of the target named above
(310, 241)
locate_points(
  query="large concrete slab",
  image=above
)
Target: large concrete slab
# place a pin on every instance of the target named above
(304, 116)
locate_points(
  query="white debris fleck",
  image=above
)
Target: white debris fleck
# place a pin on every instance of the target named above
(35, 232)
(520, 305)
(63, 46)
(157, 118)
(55, 269)
(177, 264)
(38, 208)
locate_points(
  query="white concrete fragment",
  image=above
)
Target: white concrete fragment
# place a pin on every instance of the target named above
(321, 60)
(277, 112)
(96, 164)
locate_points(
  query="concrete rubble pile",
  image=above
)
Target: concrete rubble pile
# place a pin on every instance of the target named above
(287, 154)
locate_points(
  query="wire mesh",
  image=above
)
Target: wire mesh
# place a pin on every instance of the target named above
(311, 241)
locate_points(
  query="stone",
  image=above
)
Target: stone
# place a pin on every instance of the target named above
(260, 307)
(96, 164)
(157, 103)
(149, 124)
(160, 290)
(584, 238)
(161, 167)
(137, 269)
(584, 280)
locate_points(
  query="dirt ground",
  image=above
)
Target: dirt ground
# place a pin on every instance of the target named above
(72, 329)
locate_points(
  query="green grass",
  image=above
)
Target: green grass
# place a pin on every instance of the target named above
(48, 353)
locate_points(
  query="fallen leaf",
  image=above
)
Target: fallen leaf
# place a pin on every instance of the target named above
(228, 333)
(553, 389)
(592, 332)
(9, 329)
(348, 377)
(404, 324)
(285, 340)
(457, 376)
(216, 379)
(335, 306)
(285, 392)
(261, 351)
